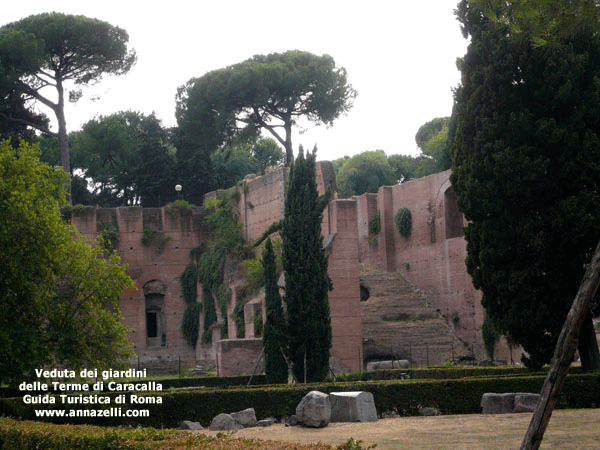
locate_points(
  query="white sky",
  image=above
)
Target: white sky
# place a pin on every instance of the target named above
(400, 56)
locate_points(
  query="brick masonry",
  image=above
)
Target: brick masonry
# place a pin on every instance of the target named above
(432, 259)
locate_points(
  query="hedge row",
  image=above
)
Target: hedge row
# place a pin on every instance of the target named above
(441, 373)
(449, 396)
(213, 382)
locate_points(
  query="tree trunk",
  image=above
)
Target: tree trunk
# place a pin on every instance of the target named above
(588, 345)
(563, 354)
(289, 151)
(63, 138)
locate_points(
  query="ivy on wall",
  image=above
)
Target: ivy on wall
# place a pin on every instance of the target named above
(208, 266)
(403, 221)
(374, 229)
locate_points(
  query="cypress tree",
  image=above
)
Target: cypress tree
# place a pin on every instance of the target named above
(525, 168)
(275, 333)
(305, 266)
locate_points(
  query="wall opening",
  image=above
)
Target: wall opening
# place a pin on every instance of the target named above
(151, 324)
(154, 294)
(454, 218)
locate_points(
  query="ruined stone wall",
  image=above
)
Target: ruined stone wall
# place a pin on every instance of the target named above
(155, 268)
(344, 299)
(262, 203)
(240, 357)
(432, 258)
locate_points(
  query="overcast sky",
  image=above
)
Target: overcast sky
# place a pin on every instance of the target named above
(400, 56)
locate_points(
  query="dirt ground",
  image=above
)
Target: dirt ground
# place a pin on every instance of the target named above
(568, 429)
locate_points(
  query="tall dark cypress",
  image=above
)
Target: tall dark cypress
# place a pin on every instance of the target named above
(525, 168)
(305, 266)
(275, 332)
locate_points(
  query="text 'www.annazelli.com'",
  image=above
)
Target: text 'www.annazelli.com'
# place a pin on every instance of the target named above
(108, 412)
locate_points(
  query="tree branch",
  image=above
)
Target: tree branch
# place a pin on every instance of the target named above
(269, 128)
(273, 228)
(29, 124)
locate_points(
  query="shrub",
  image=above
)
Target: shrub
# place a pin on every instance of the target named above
(403, 220)
(375, 224)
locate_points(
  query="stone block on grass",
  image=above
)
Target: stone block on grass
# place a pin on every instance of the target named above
(314, 410)
(225, 422)
(247, 417)
(525, 402)
(352, 407)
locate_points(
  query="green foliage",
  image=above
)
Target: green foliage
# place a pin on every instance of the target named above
(264, 92)
(210, 316)
(179, 208)
(305, 265)
(490, 337)
(128, 157)
(235, 161)
(432, 139)
(375, 223)
(211, 266)
(35, 435)
(51, 49)
(408, 167)
(59, 296)
(255, 276)
(190, 324)
(275, 332)
(222, 220)
(223, 297)
(353, 444)
(151, 237)
(526, 175)
(110, 236)
(189, 283)
(543, 22)
(365, 172)
(208, 261)
(403, 221)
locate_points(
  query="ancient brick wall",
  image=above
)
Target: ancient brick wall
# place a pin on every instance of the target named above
(262, 203)
(240, 357)
(432, 258)
(155, 267)
(344, 299)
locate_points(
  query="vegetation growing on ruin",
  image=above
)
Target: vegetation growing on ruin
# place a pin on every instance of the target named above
(151, 237)
(179, 208)
(403, 221)
(109, 234)
(208, 266)
(374, 229)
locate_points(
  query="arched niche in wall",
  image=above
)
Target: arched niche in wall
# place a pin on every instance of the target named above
(454, 219)
(154, 294)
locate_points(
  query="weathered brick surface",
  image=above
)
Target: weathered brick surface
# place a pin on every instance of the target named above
(148, 263)
(240, 356)
(431, 260)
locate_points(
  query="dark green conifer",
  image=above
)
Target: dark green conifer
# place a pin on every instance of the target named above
(306, 279)
(526, 171)
(275, 333)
